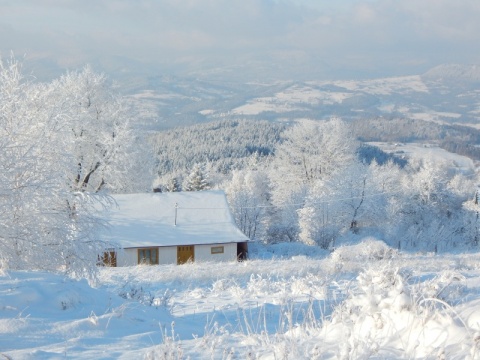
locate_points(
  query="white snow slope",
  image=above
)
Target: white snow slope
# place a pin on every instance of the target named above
(362, 301)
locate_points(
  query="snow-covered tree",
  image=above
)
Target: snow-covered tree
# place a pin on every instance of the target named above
(428, 213)
(172, 185)
(472, 218)
(354, 199)
(197, 180)
(38, 228)
(248, 196)
(311, 152)
(107, 153)
(62, 145)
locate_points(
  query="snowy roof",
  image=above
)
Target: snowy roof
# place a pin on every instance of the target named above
(203, 217)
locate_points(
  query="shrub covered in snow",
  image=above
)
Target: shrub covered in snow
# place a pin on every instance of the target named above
(368, 249)
(384, 308)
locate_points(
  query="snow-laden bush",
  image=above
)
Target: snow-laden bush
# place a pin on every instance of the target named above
(449, 286)
(137, 293)
(368, 249)
(169, 349)
(385, 316)
(365, 319)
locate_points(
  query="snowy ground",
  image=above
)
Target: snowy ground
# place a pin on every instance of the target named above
(460, 163)
(362, 301)
(297, 96)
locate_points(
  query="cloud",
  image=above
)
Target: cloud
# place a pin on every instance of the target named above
(365, 14)
(351, 35)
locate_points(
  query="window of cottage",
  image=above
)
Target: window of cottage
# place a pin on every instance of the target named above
(148, 256)
(216, 250)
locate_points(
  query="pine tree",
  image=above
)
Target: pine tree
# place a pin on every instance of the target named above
(197, 180)
(172, 185)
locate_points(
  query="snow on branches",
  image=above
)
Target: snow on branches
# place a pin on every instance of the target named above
(60, 144)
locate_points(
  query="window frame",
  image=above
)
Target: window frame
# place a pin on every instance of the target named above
(214, 250)
(142, 260)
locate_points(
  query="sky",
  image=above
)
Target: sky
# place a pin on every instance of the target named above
(276, 38)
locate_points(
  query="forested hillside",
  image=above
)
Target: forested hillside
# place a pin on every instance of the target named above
(224, 145)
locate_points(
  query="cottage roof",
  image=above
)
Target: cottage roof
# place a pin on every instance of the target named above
(142, 220)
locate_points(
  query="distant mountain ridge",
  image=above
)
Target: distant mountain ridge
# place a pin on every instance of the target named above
(445, 94)
(454, 72)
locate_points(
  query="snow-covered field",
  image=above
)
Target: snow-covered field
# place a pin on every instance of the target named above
(293, 98)
(361, 301)
(433, 153)
(297, 96)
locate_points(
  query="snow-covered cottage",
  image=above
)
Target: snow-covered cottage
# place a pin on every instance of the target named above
(173, 228)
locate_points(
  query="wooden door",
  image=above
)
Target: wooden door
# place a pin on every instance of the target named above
(185, 254)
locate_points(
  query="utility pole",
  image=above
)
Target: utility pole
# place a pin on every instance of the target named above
(476, 201)
(176, 208)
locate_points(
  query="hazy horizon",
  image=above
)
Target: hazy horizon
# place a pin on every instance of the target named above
(241, 39)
